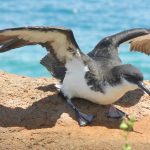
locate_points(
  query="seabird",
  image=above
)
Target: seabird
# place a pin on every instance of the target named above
(98, 76)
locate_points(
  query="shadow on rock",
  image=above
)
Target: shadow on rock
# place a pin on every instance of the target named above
(47, 88)
(130, 98)
(46, 112)
(43, 113)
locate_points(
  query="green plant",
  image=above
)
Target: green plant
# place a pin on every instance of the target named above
(127, 125)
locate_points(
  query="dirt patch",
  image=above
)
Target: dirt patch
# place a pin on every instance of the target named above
(34, 116)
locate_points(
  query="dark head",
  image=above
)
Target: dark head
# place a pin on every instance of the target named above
(130, 74)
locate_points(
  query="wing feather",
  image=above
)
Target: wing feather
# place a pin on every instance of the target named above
(59, 41)
(108, 47)
(141, 44)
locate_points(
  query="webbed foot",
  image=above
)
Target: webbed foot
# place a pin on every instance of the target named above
(115, 112)
(84, 119)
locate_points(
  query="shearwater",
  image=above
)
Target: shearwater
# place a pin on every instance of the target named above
(98, 76)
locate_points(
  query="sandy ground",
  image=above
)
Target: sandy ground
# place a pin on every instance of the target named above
(33, 116)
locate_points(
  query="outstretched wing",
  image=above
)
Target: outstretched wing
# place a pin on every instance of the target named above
(59, 41)
(138, 38)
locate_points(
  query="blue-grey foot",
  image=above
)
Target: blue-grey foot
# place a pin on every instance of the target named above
(115, 112)
(82, 118)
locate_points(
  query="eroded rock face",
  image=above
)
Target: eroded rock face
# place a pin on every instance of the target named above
(34, 116)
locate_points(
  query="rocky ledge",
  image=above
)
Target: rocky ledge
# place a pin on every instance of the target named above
(34, 116)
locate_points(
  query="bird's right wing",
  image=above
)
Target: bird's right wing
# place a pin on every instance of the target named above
(59, 41)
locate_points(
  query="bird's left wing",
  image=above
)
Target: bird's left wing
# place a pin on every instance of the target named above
(57, 40)
(138, 38)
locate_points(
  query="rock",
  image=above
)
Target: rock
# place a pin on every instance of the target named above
(34, 116)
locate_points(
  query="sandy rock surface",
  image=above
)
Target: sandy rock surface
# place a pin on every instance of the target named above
(34, 116)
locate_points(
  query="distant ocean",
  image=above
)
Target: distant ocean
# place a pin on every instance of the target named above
(90, 20)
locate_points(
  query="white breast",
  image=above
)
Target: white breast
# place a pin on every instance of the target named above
(74, 85)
